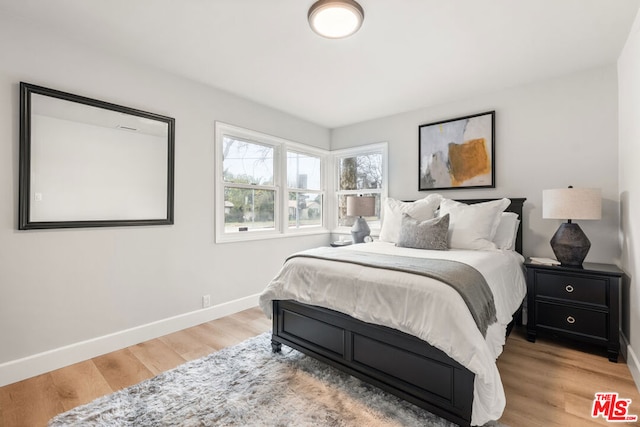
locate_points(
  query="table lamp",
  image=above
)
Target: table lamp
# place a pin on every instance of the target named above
(570, 244)
(360, 206)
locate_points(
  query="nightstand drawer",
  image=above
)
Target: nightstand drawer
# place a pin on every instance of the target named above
(572, 319)
(572, 288)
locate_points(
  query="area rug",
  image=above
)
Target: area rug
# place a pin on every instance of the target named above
(248, 385)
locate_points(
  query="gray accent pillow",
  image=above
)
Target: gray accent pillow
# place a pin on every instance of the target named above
(427, 234)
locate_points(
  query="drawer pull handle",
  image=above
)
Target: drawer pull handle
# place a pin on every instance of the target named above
(569, 288)
(571, 320)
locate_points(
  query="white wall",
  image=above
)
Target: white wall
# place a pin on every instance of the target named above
(549, 134)
(63, 287)
(629, 181)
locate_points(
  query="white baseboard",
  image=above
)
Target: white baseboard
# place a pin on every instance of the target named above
(632, 359)
(30, 366)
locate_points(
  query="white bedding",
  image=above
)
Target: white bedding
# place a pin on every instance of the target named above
(418, 305)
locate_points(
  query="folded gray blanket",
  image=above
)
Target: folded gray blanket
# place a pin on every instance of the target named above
(466, 280)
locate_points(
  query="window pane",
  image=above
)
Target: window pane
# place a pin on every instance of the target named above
(246, 162)
(303, 171)
(305, 209)
(347, 221)
(361, 172)
(248, 208)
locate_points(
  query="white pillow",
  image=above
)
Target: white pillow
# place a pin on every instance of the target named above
(473, 226)
(421, 210)
(507, 231)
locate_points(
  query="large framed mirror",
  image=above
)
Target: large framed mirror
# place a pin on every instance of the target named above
(89, 163)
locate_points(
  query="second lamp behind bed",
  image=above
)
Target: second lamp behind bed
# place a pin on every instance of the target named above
(360, 206)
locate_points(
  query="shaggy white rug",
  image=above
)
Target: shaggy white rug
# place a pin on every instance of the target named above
(248, 385)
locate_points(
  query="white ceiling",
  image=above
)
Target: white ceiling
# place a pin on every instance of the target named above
(409, 54)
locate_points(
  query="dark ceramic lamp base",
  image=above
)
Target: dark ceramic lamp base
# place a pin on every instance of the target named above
(570, 245)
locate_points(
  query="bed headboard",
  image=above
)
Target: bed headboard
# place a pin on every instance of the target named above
(515, 206)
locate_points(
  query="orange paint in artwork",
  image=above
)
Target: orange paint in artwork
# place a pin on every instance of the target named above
(468, 160)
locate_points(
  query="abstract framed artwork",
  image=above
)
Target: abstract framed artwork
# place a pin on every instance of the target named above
(457, 153)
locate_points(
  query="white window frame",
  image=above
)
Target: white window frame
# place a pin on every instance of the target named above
(280, 185)
(380, 147)
(320, 191)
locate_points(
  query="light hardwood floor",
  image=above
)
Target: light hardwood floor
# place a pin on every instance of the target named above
(546, 383)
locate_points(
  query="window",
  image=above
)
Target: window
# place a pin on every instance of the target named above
(249, 189)
(304, 182)
(360, 171)
(251, 170)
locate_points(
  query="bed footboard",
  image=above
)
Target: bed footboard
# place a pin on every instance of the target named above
(389, 359)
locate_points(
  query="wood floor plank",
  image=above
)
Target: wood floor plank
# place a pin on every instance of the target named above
(79, 383)
(29, 403)
(212, 337)
(156, 356)
(187, 345)
(122, 369)
(235, 327)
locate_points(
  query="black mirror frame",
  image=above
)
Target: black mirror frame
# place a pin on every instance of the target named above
(24, 222)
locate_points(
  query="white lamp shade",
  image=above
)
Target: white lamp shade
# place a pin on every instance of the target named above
(335, 19)
(572, 203)
(361, 206)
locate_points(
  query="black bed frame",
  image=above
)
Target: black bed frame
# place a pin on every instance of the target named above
(392, 360)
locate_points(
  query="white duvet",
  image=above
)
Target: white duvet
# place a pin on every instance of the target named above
(417, 305)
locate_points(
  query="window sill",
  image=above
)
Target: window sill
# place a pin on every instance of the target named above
(267, 235)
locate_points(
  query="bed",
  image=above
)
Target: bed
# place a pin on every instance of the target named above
(449, 369)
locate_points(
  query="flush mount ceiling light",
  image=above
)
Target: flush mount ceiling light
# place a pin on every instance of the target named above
(335, 19)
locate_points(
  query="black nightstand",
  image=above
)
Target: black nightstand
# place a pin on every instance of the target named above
(579, 303)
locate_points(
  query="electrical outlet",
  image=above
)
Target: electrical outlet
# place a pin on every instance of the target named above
(206, 301)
